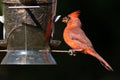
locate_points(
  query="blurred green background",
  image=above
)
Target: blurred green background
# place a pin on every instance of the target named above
(100, 21)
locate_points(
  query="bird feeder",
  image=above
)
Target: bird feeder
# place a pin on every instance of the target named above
(25, 23)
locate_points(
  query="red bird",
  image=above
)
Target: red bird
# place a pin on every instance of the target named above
(75, 37)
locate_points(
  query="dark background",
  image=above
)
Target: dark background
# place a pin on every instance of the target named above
(100, 21)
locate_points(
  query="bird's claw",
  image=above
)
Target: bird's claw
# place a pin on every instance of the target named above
(71, 52)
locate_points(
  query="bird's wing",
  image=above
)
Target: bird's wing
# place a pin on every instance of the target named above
(78, 34)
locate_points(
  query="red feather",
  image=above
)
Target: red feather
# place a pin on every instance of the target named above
(74, 14)
(49, 27)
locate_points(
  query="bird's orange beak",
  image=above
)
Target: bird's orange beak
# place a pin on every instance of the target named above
(65, 19)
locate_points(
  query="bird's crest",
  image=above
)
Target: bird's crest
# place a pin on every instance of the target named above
(74, 14)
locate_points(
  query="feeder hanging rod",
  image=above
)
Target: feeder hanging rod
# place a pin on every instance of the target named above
(20, 7)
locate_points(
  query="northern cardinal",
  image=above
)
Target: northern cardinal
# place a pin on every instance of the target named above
(75, 37)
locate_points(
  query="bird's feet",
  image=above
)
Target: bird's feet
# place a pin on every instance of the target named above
(72, 52)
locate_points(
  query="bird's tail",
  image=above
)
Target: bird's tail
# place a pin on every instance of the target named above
(102, 61)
